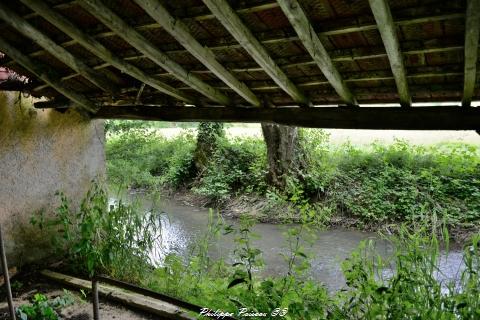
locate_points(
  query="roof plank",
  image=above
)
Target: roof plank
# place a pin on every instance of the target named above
(128, 33)
(100, 50)
(57, 51)
(472, 32)
(314, 46)
(231, 21)
(181, 33)
(386, 26)
(37, 70)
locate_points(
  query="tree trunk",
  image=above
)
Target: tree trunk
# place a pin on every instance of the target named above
(207, 143)
(284, 153)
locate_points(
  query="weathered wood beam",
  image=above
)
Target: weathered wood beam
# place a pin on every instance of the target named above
(57, 51)
(472, 32)
(311, 42)
(388, 32)
(266, 38)
(114, 22)
(180, 32)
(230, 20)
(101, 51)
(360, 77)
(40, 72)
(337, 55)
(14, 85)
(415, 118)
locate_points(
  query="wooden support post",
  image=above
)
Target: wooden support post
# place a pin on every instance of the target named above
(314, 46)
(96, 301)
(57, 51)
(6, 276)
(388, 32)
(231, 21)
(101, 51)
(38, 71)
(180, 32)
(472, 32)
(129, 34)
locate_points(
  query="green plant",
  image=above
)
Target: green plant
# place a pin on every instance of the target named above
(96, 239)
(42, 308)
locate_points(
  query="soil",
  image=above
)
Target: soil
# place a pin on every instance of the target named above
(25, 286)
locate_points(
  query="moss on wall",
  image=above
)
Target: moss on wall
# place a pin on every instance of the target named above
(42, 152)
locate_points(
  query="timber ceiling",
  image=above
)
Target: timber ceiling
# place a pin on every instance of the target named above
(243, 53)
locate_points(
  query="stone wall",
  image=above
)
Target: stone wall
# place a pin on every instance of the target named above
(41, 152)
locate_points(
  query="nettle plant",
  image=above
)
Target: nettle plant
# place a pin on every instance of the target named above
(97, 239)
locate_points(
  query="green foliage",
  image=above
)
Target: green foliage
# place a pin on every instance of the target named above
(43, 309)
(97, 239)
(375, 185)
(236, 286)
(236, 166)
(413, 291)
(403, 285)
(143, 159)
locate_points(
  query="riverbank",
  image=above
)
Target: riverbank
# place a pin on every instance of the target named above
(375, 187)
(263, 211)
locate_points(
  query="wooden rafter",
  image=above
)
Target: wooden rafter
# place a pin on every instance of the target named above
(60, 53)
(388, 32)
(337, 56)
(114, 22)
(101, 51)
(35, 68)
(472, 32)
(418, 118)
(230, 20)
(181, 33)
(267, 38)
(314, 46)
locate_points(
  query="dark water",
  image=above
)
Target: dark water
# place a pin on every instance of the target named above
(183, 225)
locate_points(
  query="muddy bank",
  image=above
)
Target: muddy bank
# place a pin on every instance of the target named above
(265, 212)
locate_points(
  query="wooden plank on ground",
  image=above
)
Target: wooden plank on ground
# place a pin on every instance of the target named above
(125, 297)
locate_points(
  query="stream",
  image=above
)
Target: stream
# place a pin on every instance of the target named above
(183, 225)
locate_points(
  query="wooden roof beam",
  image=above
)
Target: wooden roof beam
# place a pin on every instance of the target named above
(101, 51)
(472, 32)
(57, 51)
(231, 21)
(338, 55)
(135, 39)
(418, 118)
(314, 46)
(180, 32)
(267, 39)
(388, 32)
(33, 66)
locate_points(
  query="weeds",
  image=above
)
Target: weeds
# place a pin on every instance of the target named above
(42, 308)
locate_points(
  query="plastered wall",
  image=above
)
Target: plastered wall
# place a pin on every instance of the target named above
(42, 152)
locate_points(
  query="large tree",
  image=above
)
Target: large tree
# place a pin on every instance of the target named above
(285, 154)
(207, 142)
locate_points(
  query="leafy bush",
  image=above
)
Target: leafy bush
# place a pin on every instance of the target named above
(236, 166)
(43, 309)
